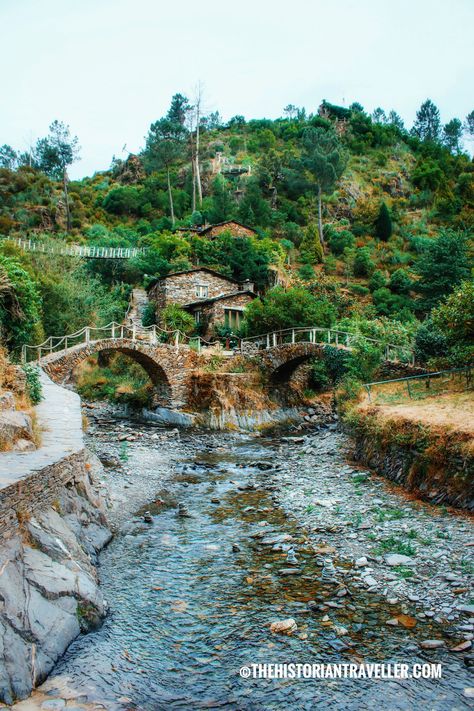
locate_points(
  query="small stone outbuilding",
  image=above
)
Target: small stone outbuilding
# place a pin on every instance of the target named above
(212, 298)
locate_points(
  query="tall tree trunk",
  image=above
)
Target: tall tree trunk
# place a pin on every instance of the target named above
(66, 199)
(198, 120)
(193, 168)
(193, 206)
(171, 197)
(320, 218)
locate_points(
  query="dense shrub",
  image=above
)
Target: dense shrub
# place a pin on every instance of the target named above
(339, 241)
(281, 308)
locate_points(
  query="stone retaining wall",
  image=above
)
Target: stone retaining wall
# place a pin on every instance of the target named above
(417, 466)
(52, 526)
(41, 489)
(31, 481)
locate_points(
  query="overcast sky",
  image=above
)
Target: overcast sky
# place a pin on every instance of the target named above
(108, 68)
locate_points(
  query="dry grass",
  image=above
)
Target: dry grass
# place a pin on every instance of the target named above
(449, 411)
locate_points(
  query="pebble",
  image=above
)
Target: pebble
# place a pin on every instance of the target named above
(284, 626)
(53, 705)
(398, 559)
(432, 643)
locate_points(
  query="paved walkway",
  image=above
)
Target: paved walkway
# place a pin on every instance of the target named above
(60, 420)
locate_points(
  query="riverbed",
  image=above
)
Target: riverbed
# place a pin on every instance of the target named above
(192, 597)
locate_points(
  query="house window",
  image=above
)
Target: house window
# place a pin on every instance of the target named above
(202, 291)
(198, 315)
(233, 318)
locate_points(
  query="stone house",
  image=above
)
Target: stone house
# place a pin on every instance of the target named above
(212, 298)
(236, 229)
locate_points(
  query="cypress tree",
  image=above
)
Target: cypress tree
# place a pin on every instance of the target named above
(383, 223)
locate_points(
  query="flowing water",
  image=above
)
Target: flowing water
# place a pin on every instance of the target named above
(192, 598)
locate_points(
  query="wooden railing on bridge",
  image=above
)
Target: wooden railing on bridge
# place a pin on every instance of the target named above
(77, 250)
(113, 331)
(324, 336)
(248, 346)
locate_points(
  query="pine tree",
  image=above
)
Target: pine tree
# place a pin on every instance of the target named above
(427, 126)
(383, 223)
(310, 248)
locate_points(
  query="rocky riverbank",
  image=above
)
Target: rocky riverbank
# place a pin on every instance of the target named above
(48, 583)
(384, 541)
(281, 528)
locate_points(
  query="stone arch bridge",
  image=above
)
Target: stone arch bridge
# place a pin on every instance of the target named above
(169, 364)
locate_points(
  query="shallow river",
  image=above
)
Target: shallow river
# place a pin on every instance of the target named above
(192, 598)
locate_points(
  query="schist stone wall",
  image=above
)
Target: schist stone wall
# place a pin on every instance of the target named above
(214, 312)
(183, 288)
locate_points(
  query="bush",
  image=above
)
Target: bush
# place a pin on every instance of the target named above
(430, 342)
(319, 378)
(174, 318)
(365, 361)
(149, 314)
(383, 223)
(20, 303)
(363, 264)
(339, 241)
(33, 383)
(400, 282)
(388, 304)
(306, 272)
(337, 362)
(359, 289)
(442, 266)
(286, 308)
(377, 280)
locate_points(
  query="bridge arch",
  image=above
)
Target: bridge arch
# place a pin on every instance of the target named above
(281, 361)
(164, 364)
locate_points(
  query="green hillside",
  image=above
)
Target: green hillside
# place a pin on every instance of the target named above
(359, 221)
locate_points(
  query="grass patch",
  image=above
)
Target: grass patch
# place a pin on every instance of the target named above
(403, 571)
(393, 544)
(389, 514)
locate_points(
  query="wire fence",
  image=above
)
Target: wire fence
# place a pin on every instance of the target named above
(419, 387)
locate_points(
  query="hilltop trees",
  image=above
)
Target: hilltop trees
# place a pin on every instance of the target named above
(452, 135)
(54, 154)
(325, 160)
(165, 146)
(8, 157)
(427, 126)
(469, 124)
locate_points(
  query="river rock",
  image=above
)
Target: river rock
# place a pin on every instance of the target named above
(15, 425)
(432, 643)
(24, 445)
(7, 400)
(288, 626)
(393, 559)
